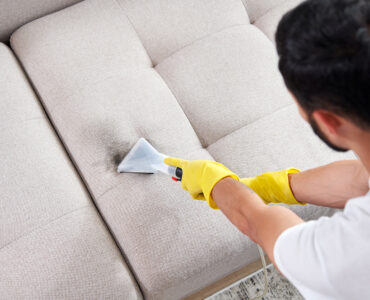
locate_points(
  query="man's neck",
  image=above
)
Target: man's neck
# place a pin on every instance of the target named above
(362, 149)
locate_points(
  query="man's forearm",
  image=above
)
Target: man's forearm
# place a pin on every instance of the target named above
(330, 185)
(262, 223)
(240, 205)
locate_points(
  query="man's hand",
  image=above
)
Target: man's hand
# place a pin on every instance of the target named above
(330, 185)
(200, 176)
(273, 186)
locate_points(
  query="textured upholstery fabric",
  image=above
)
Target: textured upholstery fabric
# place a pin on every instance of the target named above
(166, 26)
(214, 93)
(258, 8)
(216, 99)
(15, 13)
(270, 20)
(53, 243)
(273, 142)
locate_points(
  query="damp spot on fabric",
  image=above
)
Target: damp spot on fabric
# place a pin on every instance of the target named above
(116, 151)
(110, 138)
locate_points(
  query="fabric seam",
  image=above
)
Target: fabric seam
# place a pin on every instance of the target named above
(269, 10)
(253, 122)
(44, 225)
(199, 40)
(137, 34)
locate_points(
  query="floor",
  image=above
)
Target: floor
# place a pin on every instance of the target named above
(279, 288)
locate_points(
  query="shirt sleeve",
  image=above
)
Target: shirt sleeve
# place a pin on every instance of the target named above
(329, 258)
(301, 257)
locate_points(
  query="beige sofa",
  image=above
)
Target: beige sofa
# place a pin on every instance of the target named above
(79, 87)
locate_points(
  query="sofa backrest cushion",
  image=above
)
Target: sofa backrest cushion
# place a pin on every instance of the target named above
(16, 13)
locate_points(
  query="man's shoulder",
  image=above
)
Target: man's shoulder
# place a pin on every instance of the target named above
(358, 202)
(326, 249)
(349, 225)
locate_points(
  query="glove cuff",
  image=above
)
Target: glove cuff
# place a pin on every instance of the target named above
(273, 187)
(218, 172)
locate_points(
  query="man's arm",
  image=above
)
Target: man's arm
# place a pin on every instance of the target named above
(331, 185)
(246, 210)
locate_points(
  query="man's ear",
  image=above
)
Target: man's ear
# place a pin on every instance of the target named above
(328, 120)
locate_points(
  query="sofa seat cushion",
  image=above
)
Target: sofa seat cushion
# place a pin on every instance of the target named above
(195, 79)
(53, 243)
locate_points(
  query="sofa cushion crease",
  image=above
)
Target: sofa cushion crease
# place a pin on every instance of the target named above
(167, 26)
(41, 227)
(249, 124)
(269, 21)
(258, 8)
(15, 13)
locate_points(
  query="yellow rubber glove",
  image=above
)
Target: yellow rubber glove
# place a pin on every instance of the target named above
(273, 186)
(200, 176)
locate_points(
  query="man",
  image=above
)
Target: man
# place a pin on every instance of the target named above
(324, 52)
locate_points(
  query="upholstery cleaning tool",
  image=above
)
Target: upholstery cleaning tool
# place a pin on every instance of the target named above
(144, 158)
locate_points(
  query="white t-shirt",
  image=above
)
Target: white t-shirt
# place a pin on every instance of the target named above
(329, 258)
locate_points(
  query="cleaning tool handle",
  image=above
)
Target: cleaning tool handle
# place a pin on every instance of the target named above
(174, 172)
(178, 173)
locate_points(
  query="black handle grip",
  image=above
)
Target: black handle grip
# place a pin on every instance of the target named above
(178, 173)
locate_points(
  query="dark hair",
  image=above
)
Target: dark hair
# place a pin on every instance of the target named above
(324, 56)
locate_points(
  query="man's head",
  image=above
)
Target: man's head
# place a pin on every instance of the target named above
(324, 57)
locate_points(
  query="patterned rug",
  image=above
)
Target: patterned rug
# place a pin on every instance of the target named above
(279, 288)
